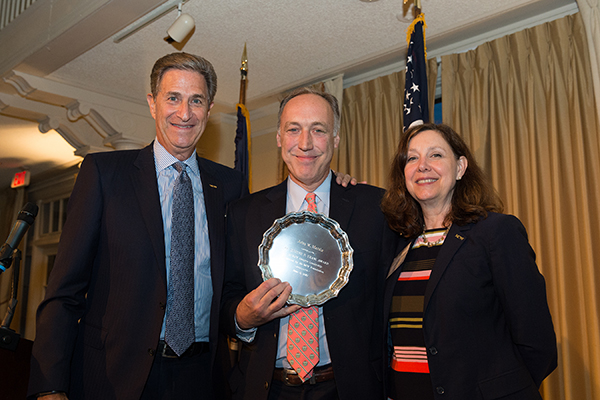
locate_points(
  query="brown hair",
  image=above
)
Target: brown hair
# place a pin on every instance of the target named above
(331, 99)
(188, 62)
(473, 195)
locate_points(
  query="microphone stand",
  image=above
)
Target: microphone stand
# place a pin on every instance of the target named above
(9, 339)
(15, 352)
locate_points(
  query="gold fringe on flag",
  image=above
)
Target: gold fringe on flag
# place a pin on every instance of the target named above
(411, 29)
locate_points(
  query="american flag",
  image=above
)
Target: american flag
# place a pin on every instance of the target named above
(416, 105)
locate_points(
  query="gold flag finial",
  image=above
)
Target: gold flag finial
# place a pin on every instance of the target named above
(417, 4)
(244, 76)
(244, 60)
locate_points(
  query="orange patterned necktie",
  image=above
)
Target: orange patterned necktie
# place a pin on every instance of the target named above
(310, 200)
(303, 330)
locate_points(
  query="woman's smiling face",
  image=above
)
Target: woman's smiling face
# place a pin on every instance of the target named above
(431, 170)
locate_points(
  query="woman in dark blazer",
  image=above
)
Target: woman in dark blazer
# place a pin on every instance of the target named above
(465, 304)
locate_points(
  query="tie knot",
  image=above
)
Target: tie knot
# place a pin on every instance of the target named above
(310, 200)
(179, 166)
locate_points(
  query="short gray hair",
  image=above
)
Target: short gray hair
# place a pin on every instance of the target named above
(331, 100)
(187, 62)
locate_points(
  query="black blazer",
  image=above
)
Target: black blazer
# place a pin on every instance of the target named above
(110, 275)
(353, 333)
(487, 326)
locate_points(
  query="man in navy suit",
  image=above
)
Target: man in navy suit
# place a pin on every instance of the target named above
(100, 329)
(256, 311)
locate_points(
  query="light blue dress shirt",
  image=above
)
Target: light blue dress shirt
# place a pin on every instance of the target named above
(167, 175)
(295, 202)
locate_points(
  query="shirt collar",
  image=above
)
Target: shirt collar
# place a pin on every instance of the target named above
(163, 159)
(297, 193)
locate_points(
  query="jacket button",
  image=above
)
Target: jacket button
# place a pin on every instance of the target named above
(433, 351)
(151, 352)
(162, 306)
(439, 390)
(266, 385)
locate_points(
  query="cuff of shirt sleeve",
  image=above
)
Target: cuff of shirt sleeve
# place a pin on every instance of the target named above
(245, 335)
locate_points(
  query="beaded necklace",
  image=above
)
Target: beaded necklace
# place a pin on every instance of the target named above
(431, 244)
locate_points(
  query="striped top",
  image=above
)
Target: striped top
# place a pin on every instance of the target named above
(409, 370)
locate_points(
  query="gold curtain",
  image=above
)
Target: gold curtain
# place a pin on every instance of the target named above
(371, 125)
(525, 104)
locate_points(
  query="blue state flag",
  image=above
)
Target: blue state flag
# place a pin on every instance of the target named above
(242, 144)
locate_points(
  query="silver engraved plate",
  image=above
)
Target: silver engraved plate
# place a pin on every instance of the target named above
(311, 252)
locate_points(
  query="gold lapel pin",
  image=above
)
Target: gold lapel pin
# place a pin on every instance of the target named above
(459, 237)
(212, 186)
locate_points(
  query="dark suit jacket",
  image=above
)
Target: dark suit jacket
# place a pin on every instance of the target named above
(110, 275)
(487, 326)
(350, 321)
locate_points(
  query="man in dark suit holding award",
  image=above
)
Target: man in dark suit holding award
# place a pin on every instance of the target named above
(132, 305)
(346, 362)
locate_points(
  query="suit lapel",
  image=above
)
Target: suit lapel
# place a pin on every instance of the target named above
(213, 203)
(275, 205)
(341, 204)
(145, 186)
(271, 206)
(390, 281)
(398, 260)
(457, 235)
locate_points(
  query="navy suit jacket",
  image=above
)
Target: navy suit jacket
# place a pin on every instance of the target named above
(487, 326)
(353, 333)
(101, 319)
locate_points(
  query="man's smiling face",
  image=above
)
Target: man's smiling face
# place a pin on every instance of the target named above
(306, 139)
(181, 111)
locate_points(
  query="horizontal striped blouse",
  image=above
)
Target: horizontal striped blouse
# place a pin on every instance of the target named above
(409, 370)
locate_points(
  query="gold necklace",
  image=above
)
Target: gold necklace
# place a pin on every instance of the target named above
(431, 244)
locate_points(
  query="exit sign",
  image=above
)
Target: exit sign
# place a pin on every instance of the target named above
(21, 179)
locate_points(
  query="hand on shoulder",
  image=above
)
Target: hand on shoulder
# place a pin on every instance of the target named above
(345, 179)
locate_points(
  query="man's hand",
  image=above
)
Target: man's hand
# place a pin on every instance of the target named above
(345, 179)
(264, 304)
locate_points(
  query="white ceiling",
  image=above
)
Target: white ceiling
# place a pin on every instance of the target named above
(290, 43)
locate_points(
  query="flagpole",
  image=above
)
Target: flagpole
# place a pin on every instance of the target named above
(234, 344)
(244, 76)
(416, 8)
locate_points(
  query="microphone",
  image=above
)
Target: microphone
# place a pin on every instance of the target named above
(24, 221)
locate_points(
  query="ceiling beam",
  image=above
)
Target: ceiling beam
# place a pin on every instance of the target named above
(51, 33)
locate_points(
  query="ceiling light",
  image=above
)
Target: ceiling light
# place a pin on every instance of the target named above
(147, 19)
(182, 26)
